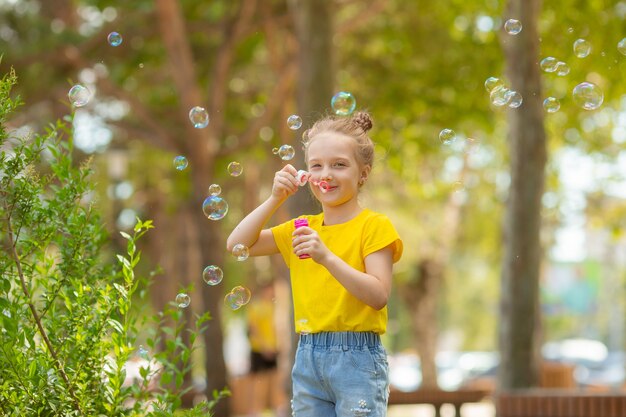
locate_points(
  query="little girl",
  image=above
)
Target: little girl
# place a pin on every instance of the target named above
(340, 290)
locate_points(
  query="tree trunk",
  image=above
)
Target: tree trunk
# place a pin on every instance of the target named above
(522, 253)
(200, 147)
(314, 31)
(422, 294)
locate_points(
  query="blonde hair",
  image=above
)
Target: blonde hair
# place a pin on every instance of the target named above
(355, 126)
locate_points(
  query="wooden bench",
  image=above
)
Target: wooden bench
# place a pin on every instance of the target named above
(437, 398)
(560, 403)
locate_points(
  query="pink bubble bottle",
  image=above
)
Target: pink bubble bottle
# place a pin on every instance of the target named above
(302, 222)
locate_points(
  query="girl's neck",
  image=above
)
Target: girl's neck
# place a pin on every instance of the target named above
(341, 214)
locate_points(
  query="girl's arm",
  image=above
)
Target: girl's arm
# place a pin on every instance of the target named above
(373, 286)
(250, 230)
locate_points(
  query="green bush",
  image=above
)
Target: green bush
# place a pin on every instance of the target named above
(67, 327)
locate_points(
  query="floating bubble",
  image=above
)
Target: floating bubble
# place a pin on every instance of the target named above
(551, 105)
(447, 136)
(183, 300)
(79, 95)
(114, 39)
(286, 152)
(343, 103)
(199, 117)
(215, 189)
(241, 252)
(231, 301)
(582, 48)
(212, 275)
(275, 151)
(588, 96)
(241, 295)
(514, 99)
(294, 122)
(214, 207)
(180, 162)
(513, 26)
(562, 69)
(237, 297)
(235, 169)
(621, 46)
(500, 96)
(492, 83)
(548, 64)
(142, 352)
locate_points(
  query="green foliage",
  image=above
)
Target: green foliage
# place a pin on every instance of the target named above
(66, 317)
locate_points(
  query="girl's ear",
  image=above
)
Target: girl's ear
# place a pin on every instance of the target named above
(365, 172)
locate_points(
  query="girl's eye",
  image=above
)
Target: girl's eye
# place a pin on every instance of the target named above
(340, 164)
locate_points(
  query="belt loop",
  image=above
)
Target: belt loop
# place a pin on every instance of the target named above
(344, 341)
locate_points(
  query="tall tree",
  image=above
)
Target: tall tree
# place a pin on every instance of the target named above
(314, 31)
(522, 221)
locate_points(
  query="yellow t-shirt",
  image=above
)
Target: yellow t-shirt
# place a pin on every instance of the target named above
(321, 303)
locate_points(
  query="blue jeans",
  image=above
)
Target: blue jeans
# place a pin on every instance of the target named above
(340, 374)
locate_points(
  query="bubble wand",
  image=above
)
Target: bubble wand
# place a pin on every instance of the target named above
(303, 177)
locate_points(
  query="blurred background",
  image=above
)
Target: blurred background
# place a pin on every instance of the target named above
(504, 173)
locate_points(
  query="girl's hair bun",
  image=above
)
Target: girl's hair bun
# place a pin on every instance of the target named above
(363, 120)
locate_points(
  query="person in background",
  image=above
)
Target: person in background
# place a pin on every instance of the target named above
(266, 385)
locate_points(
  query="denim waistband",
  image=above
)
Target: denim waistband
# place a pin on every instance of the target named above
(348, 339)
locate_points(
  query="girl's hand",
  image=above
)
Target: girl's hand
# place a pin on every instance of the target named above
(306, 241)
(285, 182)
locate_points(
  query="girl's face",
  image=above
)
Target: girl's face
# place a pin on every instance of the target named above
(331, 157)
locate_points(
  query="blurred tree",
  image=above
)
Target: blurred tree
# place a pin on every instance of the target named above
(519, 299)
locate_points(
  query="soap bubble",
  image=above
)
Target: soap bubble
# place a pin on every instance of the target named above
(180, 162)
(215, 189)
(582, 48)
(275, 151)
(235, 169)
(183, 300)
(294, 122)
(549, 64)
(238, 297)
(241, 252)
(214, 207)
(79, 95)
(343, 103)
(513, 26)
(588, 96)
(199, 117)
(286, 152)
(142, 352)
(551, 104)
(500, 96)
(514, 99)
(114, 39)
(242, 293)
(621, 46)
(446, 136)
(562, 69)
(492, 83)
(231, 301)
(212, 275)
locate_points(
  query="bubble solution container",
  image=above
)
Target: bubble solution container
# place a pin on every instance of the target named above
(302, 222)
(303, 177)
